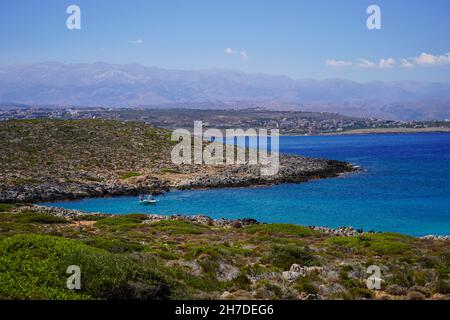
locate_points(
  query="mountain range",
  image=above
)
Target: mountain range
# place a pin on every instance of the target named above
(134, 85)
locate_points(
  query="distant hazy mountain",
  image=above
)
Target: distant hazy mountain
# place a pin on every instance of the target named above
(102, 84)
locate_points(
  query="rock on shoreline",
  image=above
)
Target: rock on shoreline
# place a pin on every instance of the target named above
(434, 237)
(198, 219)
(76, 214)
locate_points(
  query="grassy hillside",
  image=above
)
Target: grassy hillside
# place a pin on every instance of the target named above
(137, 257)
(79, 149)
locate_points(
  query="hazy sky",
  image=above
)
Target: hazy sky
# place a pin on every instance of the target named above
(302, 39)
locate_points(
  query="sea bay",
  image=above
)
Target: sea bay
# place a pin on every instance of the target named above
(403, 187)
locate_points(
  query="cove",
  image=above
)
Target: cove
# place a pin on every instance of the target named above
(404, 188)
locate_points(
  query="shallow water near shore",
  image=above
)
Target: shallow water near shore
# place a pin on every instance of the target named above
(405, 187)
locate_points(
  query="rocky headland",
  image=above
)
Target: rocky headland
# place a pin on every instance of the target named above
(45, 160)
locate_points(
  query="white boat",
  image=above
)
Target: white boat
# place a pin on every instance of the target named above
(143, 199)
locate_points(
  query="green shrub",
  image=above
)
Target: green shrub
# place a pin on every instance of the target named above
(445, 268)
(403, 276)
(378, 243)
(115, 245)
(209, 265)
(343, 273)
(442, 286)
(9, 225)
(164, 254)
(128, 175)
(34, 267)
(30, 217)
(121, 222)
(285, 256)
(305, 285)
(282, 229)
(6, 207)
(179, 227)
(359, 293)
(217, 251)
(241, 282)
(27, 181)
(206, 282)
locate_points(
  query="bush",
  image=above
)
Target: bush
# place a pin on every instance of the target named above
(121, 222)
(379, 243)
(360, 293)
(403, 276)
(216, 251)
(115, 245)
(6, 207)
(34, 267)
(414, 295)
(30, 217)
(179, 227)
(442, 286)
(242, 282)
(128, 175)
(283, 229)
(305, 285)
(285, 256)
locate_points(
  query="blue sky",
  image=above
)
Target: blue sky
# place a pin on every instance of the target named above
(302, 39)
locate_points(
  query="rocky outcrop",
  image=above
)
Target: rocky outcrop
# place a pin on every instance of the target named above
(52, 190)
(58, 212)
(293, 169)
(297, 271)
(150, 218)
(433, 237)
(340, 231)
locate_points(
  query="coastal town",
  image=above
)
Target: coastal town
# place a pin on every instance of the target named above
(288, 122)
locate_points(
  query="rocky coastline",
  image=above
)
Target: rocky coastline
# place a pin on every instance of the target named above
(197, 219)
(293, 169)
(344, 231)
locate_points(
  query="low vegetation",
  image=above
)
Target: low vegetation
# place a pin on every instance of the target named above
(78, 150)
(381, 243)
(129, 175)
(34, 267)
(283, 229)
(134, 257)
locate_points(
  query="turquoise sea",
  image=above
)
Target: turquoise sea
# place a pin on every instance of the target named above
(404, 187)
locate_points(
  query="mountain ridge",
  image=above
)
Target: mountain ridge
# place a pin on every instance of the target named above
(131, 85)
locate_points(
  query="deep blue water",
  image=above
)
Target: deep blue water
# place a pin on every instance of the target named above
(405, 188)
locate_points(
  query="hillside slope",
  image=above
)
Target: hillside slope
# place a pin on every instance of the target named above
(56, 159)
(174, 257)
